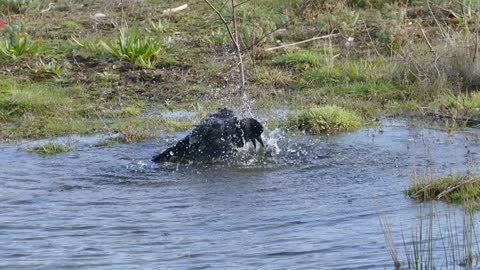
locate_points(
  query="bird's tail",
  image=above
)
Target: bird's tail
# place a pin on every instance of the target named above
(176, 152)
(162, 157)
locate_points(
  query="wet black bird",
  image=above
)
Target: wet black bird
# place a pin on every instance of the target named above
(217, 136)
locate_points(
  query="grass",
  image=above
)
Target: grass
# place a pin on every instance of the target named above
(138, 129)
(50, 148)
(78, 84)
(298, 60)
(455, 188)
(327, 119)
(43, 109)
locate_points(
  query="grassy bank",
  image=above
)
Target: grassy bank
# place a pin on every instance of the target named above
(82, 67)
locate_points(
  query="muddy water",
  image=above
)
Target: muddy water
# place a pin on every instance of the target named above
(306, 203)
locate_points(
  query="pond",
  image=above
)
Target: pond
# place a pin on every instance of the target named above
(307, 202)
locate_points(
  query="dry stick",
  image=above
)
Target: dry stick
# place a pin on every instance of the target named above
(387, 233)
(425, 37)
(431, 49)
(371, 39)
(300, 42)
(233, 37)
(436, 21)
(447, 191)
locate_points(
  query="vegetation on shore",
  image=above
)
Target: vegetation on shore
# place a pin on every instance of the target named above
(454, 188)
(325, 120)
(82, 67)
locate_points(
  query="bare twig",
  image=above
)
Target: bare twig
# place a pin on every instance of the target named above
(371, 39)
(435, 19)
(476, 42)
(224, 22)
(264, 37)
(425, 37)
(233, 36)
(301, 42)
(239, 52)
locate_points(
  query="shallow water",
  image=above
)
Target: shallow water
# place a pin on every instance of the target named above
(307, 202)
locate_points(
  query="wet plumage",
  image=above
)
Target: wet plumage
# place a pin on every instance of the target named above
(217, 136)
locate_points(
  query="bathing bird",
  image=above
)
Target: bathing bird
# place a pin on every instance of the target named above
(217, 136)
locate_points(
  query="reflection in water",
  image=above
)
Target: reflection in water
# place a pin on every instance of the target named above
(304, 202)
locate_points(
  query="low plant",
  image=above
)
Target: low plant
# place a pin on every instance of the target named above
(160, 26)
(327, 119)
(218, 37)
(131, 45)
(19, 47)
(50, 148)
(15, 42)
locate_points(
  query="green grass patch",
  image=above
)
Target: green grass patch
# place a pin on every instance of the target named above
(51, 148)
(325, 75)
(43, 99)
(327, 119)
(298, 60)
(455, 188)
(368, 90)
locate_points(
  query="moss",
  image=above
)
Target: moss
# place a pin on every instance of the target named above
(50, 148)
(455, 188)
(327, 119)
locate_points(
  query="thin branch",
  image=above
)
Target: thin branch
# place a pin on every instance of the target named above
(301, 42)
(224, 22)
(264, 37)
(425, 37)
(237, 44)
(244, 2)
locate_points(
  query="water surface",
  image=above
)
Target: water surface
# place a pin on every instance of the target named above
(308, 202)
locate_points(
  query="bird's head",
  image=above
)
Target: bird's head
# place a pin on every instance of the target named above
(252, 131)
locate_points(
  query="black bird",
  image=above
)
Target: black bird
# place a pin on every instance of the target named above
(217, 136)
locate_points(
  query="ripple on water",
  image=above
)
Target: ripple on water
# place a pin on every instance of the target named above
(303, 202)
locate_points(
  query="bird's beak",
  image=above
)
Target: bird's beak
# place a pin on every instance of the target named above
(259, 139)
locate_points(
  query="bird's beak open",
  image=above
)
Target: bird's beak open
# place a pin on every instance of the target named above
(259, 139)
